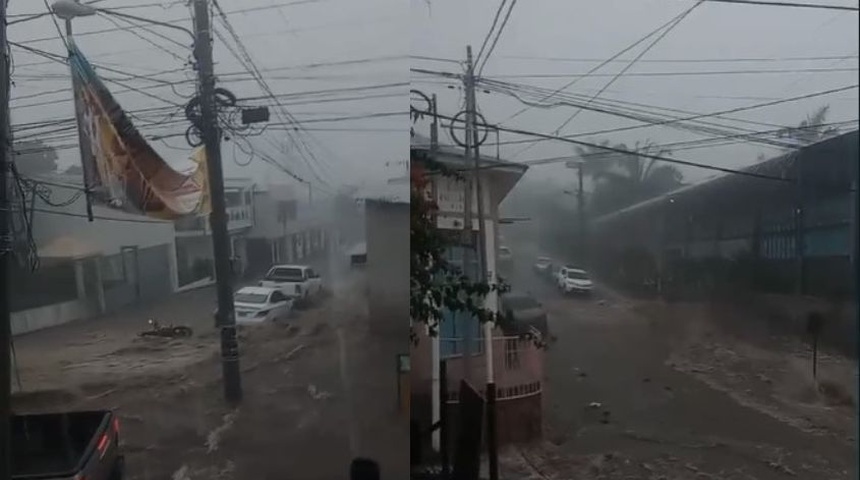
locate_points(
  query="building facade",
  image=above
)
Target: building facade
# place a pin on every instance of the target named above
(285, 229)
(517, 363)
(84, 269)
(194, 255)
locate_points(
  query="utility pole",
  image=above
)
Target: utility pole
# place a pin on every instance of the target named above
(211, 134)
(5, 251)
(468, 231)
(580, 203)
(482, 274)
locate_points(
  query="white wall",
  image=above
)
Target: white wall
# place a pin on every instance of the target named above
(57, 230)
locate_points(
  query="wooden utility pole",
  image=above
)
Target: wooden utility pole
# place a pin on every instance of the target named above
(468, 231)
(5, 250)
(211, 134)
(481, 273)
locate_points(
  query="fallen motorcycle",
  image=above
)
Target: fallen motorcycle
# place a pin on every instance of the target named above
(171, 331)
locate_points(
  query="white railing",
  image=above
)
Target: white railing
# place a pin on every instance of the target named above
(237, 218)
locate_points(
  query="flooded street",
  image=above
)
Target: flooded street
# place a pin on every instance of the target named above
(642, 390)
(304, 410)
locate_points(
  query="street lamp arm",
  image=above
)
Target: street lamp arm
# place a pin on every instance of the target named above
(108, 11)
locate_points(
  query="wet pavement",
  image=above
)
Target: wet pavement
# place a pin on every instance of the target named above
(313, 391)
(619, 406)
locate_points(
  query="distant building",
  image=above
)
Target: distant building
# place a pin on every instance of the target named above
(85, 269)
(285, 229)
(386, 210)
(194, 256)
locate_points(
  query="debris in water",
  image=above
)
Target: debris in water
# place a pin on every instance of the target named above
(317, 394)
(214, 437)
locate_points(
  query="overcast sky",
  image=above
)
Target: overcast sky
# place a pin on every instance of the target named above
(297, 34)
(548, 30)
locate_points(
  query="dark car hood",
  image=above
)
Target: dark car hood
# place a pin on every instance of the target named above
(520, 321)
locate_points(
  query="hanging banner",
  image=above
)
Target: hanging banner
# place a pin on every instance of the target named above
(121, 169)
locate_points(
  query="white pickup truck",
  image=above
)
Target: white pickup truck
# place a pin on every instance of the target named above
(299, 282)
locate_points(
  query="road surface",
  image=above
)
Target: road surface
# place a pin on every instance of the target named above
(620, 404)
(315, 395)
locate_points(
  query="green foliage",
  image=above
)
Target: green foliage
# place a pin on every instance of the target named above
(435, 283)
(811, 129)
(624, 178)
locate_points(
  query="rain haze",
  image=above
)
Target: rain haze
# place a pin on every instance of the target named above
(547, 44)
(682, 249)
(223, 339)
(331, 65)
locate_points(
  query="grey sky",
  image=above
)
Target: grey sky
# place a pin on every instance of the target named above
(294, 35)
(597, 29)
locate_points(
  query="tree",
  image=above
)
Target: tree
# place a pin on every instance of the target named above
(627, 177)
(33, 157)
(812, 129)
(435, 284)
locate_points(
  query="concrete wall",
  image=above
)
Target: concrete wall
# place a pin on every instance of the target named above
(387, 227)
(59, 231)
(50, 316)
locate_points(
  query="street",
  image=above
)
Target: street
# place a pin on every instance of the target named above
(305, 414)
(636, 390)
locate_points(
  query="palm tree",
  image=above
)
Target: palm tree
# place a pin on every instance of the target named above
(811, 129)
(628, 177)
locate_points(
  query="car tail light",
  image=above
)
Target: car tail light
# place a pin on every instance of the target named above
(116, 425)
(80, 477)
(103, 444)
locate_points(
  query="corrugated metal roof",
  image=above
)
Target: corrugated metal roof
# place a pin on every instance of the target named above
(783, 166)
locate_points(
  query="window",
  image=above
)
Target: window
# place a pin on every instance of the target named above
(256, 298)
(286, 274)
(512, 354)
(278, 297)
(312, 273)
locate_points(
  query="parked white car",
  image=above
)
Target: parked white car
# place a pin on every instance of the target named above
(299, 282)
(574, 280)
(505, 255)
(543, 267)
(261, 304)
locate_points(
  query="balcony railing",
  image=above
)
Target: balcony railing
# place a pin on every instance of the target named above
(237, 218)
(518, 369)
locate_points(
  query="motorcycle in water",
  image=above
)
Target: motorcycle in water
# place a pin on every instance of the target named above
(171, 331)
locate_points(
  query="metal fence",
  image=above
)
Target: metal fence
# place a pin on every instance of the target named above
(518, 368)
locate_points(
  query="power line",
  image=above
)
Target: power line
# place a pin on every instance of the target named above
(680, 74)
(250, 64)
(707, 128)
(633, 62)
(492, 27)
(182, 20)
(789, 4)
(496, 39)
(98, 217)
(691, 60)
(601, 65)
(621, 151)
(712, 114)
